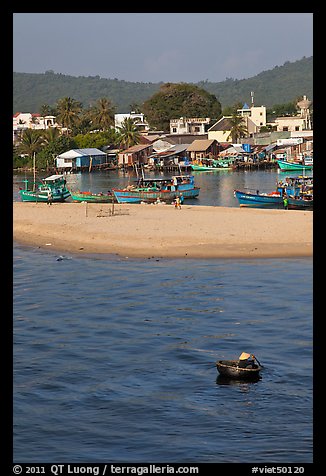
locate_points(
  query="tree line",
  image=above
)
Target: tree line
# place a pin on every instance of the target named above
(275, 86)
(94, 126)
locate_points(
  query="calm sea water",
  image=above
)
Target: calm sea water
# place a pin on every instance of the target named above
(114, 359)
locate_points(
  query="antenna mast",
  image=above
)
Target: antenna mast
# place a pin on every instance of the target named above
(252, 98)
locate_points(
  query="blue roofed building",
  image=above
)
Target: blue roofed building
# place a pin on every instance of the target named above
(78, 159)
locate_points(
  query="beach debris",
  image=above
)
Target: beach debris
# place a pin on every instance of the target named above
(48, 244)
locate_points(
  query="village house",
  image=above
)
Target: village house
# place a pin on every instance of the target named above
(221, 130)
(137, 118)
(200, 149)
(256, 114)
(79, 159)
(27, 120)
(193, 125)
(135, 155)
(172, 155)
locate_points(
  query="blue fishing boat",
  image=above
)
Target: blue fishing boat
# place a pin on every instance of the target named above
(297, 190)
(154, 189)
(259, 200)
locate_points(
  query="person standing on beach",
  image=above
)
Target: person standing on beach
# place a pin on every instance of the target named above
(50, 197)
(285, 201)
(177, 203)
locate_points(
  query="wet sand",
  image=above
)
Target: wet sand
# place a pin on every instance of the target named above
(145, 230)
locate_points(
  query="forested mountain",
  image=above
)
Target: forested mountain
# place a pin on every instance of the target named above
(279, 85)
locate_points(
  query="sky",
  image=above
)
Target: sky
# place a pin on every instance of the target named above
(155, 47)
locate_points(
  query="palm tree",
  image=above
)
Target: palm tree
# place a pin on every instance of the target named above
(68, 111)
(237, 128)
(50, 135)
(31, 142)
(47, 110)
(102, 114)
(128, 133)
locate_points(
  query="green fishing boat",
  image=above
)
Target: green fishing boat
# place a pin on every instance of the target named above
(54, 185)
(90, 197)
(285, 165)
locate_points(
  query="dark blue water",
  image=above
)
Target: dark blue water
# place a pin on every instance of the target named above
(114, 359)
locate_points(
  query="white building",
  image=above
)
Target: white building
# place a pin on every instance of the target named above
(191, 125)
(257, 114)
(27, 120)
(138, 118)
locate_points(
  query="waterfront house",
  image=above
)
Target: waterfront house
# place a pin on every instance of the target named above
(200, 149)
(170, 156)
(135, 155)
(79, 159)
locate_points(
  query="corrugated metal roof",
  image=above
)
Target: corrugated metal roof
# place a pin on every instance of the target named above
(73, 153)
(222, 124)
(137, 148)
(200, 144)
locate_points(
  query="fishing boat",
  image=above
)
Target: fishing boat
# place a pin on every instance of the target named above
(272, 200)
(154, 189)
(306, 164)
(298, 191)
(90, 197)
(245, 367)
(133, 194)
(203, 167)
(39, 191)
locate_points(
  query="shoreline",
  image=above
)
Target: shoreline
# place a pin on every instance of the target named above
(161, 231)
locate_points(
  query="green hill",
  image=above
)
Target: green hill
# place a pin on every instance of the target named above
(279, 85)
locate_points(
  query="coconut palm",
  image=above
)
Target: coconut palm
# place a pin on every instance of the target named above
(237, 128)
(31, 142)
(128, 133)
(102, 114)
(50, 135)
(68, 111)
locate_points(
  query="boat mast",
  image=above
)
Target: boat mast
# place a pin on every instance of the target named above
(34, 173)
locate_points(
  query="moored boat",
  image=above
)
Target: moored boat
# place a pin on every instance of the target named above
(142, 194)
(198, 167)
(286, 165)
(297, 190)
(245, 367)
(90, 197)
(162, 189)
(39, 191)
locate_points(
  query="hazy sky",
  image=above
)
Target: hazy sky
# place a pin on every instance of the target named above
(154, 47)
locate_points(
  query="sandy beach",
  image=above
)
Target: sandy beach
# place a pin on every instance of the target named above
(145, 230)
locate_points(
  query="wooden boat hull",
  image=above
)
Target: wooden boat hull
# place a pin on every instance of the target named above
(206, 168)
(254, 200)
(188, 192)
(30, 196)
(202, 167)
(230, 369)
(285, 165)
(148, 196)
(91, 197)
(300, 204)
(38, 192)
(247, 199)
